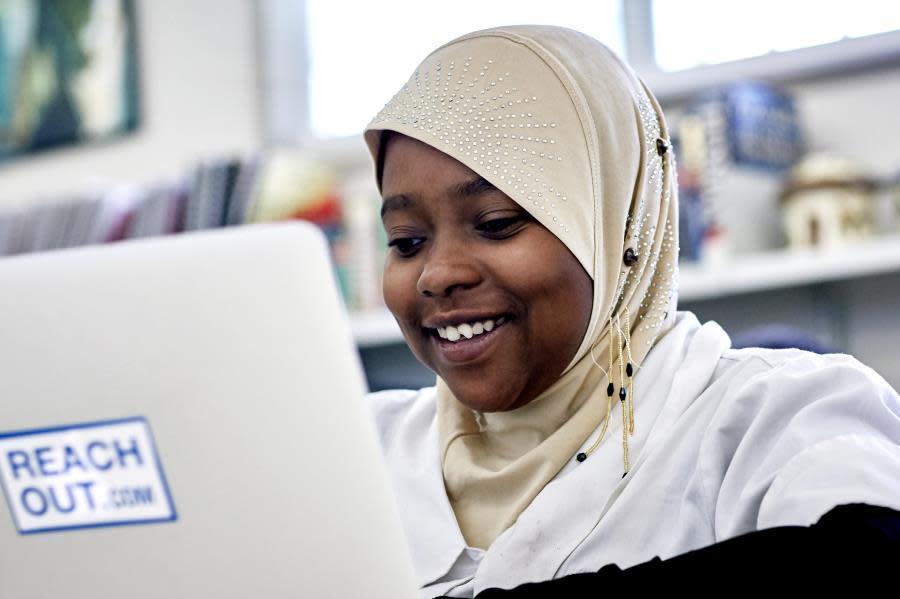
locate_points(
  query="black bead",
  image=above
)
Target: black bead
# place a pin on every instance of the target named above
(581, 457)
(630, 258)
(628, 369)
(610, 389)
(661, 146)
(622, 393)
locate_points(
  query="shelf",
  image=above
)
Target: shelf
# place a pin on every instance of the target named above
(783, 268)
(751, 273)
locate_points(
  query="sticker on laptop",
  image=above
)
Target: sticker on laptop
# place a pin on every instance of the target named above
(83, 476)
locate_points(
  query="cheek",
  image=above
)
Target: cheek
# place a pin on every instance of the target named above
(557, 290)
(402, 299)
(566, 298)
(399, 288)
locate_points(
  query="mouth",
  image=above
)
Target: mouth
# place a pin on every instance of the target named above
(466, 341)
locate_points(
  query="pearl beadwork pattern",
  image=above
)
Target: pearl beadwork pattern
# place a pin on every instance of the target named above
(662, 272)
(477, 111)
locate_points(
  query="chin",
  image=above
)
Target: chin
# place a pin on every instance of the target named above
(482, 397)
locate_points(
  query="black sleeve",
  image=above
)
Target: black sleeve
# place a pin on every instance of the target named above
(855, 544)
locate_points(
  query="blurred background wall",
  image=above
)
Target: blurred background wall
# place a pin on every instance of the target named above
(200, 97)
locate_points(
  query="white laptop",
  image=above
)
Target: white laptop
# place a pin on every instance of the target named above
(185, 417)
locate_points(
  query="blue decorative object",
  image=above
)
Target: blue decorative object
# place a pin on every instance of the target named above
(761, 125)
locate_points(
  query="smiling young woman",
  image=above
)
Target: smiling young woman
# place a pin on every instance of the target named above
(467, 260)
(579, 423)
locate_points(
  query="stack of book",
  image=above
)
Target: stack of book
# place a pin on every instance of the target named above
(217, 194)
(220, 193)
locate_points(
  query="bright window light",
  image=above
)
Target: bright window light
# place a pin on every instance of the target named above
(361, 53)
(692, 33)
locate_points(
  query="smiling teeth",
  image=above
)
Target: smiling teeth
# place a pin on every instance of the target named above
(468, 330)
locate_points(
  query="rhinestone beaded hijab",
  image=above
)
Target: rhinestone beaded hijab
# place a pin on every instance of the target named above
(553, 119)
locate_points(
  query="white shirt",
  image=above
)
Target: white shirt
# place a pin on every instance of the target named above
(726, 442)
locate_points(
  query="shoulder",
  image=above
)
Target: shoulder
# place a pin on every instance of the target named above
(799, 378)
(403, 412)
(813, 396)
(795, 434)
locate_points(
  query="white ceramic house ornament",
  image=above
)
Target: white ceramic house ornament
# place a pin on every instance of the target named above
(827, 201)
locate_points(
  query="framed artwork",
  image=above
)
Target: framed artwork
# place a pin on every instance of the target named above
(68, 73)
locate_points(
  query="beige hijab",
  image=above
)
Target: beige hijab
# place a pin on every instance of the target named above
(557, 122)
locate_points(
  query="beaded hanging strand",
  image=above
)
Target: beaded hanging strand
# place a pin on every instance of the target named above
(609, 392)
(629, 372)
(623, 395)
(610, 389)
(626, 386)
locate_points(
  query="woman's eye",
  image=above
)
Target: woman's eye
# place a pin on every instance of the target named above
(406, 246)
(499, 227)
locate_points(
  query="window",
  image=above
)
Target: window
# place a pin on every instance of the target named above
(360, 54)
(693, 33)
(330, 65)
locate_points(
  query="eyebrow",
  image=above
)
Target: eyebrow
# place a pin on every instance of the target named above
(466, 189)
(397, 202)
(471, 188)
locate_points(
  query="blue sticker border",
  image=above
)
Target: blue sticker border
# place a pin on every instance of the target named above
(115, 523)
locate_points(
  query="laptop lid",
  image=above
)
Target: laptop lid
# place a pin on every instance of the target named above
(185, 417)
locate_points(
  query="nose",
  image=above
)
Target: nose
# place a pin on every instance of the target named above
(448, 267)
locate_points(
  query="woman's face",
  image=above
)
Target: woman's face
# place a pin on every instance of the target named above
(486, 296)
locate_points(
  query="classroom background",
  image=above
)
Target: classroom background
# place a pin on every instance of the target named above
(123, 119)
